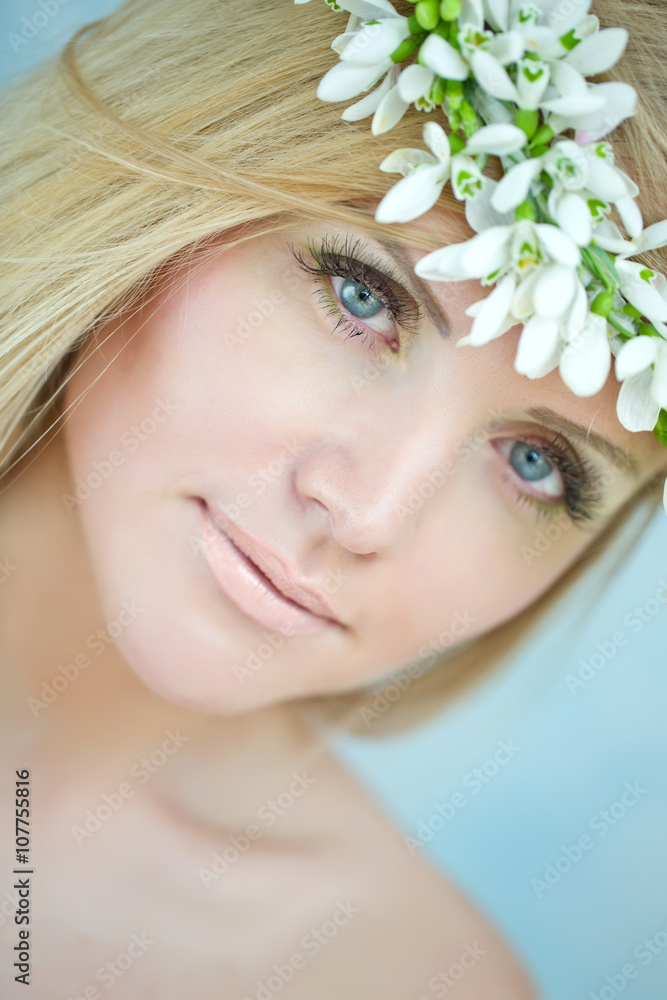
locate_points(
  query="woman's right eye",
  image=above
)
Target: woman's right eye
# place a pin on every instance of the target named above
(363, 304)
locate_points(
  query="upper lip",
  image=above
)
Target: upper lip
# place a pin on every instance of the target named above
(276, 568)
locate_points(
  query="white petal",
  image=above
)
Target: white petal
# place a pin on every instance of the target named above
(480, 213)
(664, 497)
(487, 252)
(630, 215)
(507, 48)
(522, 303)
(643, 295)
(599, 52)
(536, 344)
(497, 14)
(532, 82)
(607, 235)
(389, 112)
(406, 161)
(491, 110)
(567, 80)
(575, 107)
(367, 105)
(554, 290)
(499, 140)
(492, 315)
(514, 187)
(560, 247)
(462, 261)
(415, 81)
(566, 16)
(635, 355)
(635, 407)
(376, 42)
(652, 238)
(578, 314)
(412, 195)
(605, 180)
(436, 139)
(340, 41)
(472, 13)
(446, 264)
(574, 217)
(369, 9)
(620, 103)
(492, 77)
(443, 59)
(343, 82)
(467, 179)
(586, 360)
(659, 385)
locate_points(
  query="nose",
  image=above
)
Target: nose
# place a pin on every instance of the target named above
(380, 473)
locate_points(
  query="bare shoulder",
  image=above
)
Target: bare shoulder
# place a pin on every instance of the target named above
(409, 933)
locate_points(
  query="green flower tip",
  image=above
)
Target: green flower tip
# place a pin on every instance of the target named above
(603, 304)
(528, 121)
(660, 429)
(450, 10)
(427, 13)
(525, 211)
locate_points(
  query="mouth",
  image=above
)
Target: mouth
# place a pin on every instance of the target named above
(259, 580)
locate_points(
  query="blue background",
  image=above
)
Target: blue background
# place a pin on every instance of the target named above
(578, 746)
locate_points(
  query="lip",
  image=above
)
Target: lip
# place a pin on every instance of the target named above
(259, 579)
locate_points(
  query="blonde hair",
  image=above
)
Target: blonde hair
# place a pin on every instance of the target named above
(167, 124)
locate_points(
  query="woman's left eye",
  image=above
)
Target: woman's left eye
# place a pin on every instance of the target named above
(363, 304)
(534, 468)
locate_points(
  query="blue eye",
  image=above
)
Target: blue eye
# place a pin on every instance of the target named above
(534, 465)
(359, 300)
(528, 462)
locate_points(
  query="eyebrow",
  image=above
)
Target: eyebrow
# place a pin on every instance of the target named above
(549, 418)
(418, 286)
(621, 459)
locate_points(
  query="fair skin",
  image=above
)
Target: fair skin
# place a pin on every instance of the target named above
(198, 396)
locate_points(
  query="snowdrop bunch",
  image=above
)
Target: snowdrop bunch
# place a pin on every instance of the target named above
(510, 78)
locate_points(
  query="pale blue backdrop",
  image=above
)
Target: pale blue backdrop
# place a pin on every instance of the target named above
(575, 750)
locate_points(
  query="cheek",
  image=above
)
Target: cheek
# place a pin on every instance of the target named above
(476, 560)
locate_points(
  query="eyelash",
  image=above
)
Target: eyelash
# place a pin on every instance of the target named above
(581, 484)
(341, 256)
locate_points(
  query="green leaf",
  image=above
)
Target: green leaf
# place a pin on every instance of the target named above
(660, 429)
(407, 47)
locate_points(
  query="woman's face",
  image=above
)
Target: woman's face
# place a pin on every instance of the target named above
(297, 398)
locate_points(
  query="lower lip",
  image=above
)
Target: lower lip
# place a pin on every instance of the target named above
(249, 588)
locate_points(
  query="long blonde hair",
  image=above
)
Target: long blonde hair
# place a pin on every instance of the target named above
(166, 124)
